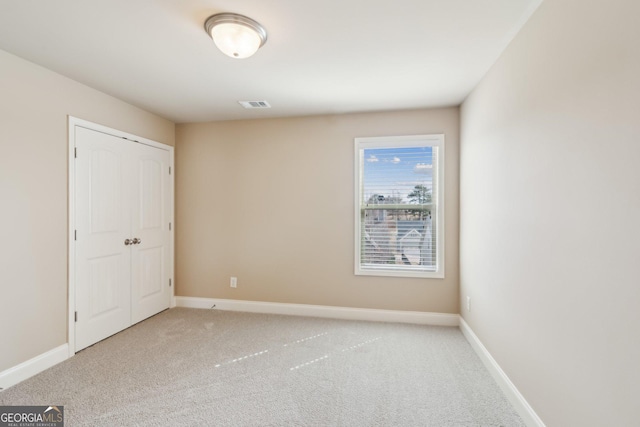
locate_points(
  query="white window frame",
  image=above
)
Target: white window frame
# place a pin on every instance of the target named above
(435, 140)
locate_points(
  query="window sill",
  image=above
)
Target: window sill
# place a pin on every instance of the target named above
(382, 272)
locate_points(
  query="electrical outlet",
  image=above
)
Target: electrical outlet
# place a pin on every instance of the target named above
(468, 303)
(234, 282)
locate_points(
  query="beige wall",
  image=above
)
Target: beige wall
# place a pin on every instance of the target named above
(34, 104)
(271, 202)
(550, 203)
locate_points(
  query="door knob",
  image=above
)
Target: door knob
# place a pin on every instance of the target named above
(127, 242)
(136, 241)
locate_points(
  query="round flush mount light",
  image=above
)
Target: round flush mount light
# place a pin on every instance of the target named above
(237, 36)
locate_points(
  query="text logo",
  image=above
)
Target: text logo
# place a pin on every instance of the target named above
(31, 416)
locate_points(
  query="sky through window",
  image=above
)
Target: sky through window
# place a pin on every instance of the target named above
(395, 172)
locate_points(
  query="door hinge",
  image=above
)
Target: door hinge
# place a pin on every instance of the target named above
(75, 316)
(75, 234)
(169, 170)
(75, 152)
(169, 226)
(169, 282)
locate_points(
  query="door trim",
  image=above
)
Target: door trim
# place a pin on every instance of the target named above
(74, 122)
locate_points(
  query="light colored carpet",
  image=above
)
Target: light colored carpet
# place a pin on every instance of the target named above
(214, 368)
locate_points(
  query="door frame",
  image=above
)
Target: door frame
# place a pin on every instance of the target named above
(74, 122)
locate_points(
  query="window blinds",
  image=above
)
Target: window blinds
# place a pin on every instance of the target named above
(398, 207)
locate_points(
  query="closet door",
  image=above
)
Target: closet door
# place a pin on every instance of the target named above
(122, 210)
(103, 223)
(151, 213)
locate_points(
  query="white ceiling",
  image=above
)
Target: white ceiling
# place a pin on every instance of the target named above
(328, 56)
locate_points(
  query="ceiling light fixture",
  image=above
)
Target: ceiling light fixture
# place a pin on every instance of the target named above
(235, 35)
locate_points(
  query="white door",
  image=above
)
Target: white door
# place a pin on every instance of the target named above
(103, 222)
(151, 254)
(123, 243)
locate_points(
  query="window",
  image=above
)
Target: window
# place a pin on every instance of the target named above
(399, 206)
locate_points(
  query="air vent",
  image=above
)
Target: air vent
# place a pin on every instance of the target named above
(255, 104)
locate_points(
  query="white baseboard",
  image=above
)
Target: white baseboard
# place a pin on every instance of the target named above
(518, 401)
(418, 317)
(31, 367)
